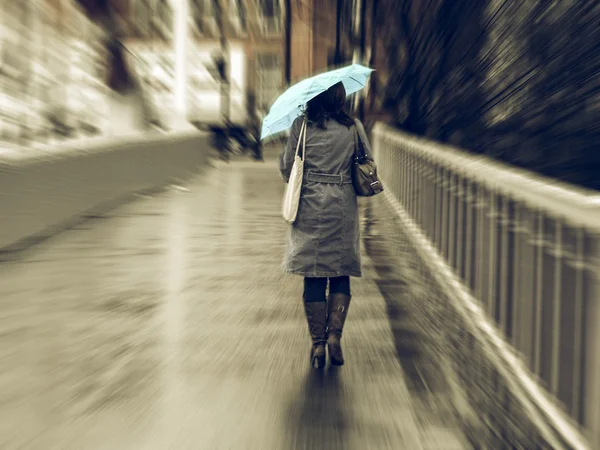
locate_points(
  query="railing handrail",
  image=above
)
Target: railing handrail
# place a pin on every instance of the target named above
(535, 400)
(503, 269)
(560, 199)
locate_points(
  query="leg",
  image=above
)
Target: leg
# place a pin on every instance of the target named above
(338, 304)
(315, 308)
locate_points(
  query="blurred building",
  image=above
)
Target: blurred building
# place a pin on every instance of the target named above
(254, 35)
(314, 30)
(51, 71)
(53, 62)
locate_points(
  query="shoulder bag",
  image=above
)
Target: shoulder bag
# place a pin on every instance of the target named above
(364, 170)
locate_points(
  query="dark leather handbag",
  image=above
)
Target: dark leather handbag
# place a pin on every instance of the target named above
(364, 170)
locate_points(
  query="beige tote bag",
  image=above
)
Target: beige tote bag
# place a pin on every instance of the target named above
(291, 198)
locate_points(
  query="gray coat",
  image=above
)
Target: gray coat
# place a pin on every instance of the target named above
(325, 239)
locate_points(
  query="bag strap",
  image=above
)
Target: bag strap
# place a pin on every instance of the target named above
(301, 137)
(354, 134)
(359, 148)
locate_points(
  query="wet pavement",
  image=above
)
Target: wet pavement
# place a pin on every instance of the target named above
(168, 323)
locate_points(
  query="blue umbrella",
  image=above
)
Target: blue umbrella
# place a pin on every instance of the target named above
(290, 104)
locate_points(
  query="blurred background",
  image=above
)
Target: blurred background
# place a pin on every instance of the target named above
(477, 319)
(55, 65)
(513, 80)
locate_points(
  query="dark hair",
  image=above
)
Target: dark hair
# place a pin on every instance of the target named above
(329, 105)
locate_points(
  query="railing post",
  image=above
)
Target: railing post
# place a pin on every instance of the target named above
(493, 256)
(409, 184)
(591, 359)
(507, 261)
(470, 237)
(557, 329)
(445, 198)
(481, 242)
(404, 180)
(526, 287)
(420, 191)
(439, 196)
(461, 226)
(429, 211)
(579, 314)
(453, 218)
(538, 242)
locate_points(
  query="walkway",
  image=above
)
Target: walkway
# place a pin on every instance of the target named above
(168, 323)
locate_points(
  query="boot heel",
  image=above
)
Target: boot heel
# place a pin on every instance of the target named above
(318, 362)
(336, 356)
(318, 359)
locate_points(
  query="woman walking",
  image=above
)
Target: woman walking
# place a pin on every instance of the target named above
(324, 242)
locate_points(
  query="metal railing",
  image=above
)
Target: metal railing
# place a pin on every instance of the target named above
(519, 257)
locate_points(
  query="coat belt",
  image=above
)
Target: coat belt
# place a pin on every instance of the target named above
(328, 178)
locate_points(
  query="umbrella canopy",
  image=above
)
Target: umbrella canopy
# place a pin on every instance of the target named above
(290, 104)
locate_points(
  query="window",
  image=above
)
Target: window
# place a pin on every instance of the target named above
(237, 16)
(204, 15)
(14, 45)
(269, 76)
(270, 8)
(165, 13)
(270, 16)
(268, 61)
(142, 16)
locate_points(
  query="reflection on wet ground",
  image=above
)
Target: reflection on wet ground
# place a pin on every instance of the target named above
(168, 323)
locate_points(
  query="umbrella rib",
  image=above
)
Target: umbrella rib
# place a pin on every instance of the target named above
(359, 82)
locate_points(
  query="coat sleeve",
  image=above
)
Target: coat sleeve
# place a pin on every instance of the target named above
(362, 134)
(286, 158)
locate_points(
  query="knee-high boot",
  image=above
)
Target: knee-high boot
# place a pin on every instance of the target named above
(316, 316)
(338, 305)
